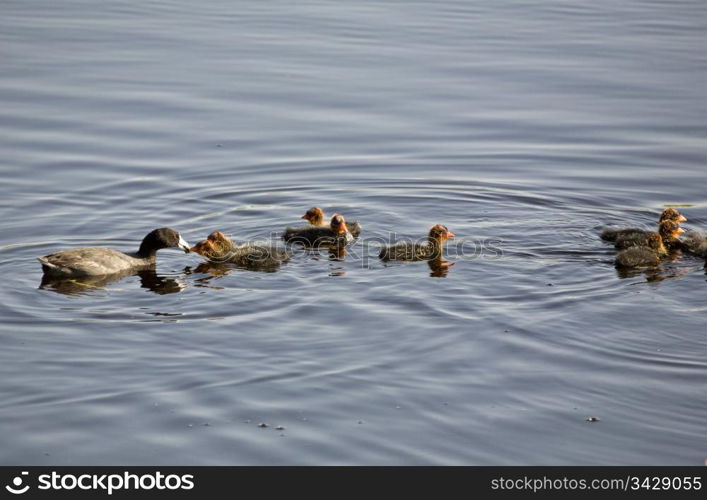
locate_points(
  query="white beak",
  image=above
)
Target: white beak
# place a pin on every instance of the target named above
(183, 245)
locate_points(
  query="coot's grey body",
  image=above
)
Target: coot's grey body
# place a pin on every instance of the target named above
(96, 261)
(92, 261)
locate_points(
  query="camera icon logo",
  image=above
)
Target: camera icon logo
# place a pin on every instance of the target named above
(17, 483)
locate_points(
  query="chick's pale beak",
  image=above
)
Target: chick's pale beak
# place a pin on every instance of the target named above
(450, 234)
(682, 218)
(681, 230)
(305, 217)
(184, 245)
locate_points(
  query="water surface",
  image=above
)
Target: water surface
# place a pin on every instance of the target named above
(524, 127)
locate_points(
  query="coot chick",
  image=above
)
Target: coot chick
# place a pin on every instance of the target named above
(668, 230)
(695, 244)
(94, 261)
(217, 247)
(430, 249)
(315, 216)
(334, 235)
(670, 214)
(643, 256)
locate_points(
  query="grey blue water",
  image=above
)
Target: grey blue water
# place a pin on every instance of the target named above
(524, 127)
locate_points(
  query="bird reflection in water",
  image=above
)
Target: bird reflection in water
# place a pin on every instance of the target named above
(149, 279)
(337, 253)
(662, 272)
(212, 270)
(439, 268)
(653, 274)
(162, 285)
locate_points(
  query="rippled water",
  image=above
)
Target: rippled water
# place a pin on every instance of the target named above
(524, 127)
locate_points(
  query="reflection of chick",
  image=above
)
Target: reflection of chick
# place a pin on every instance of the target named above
(439, 268)
(334, 235)
(337, 252)
(670, 214)
(431, 249)
(643, 256)
(219, 248)
(315, 216)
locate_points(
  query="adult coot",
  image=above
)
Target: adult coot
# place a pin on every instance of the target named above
(94, 261)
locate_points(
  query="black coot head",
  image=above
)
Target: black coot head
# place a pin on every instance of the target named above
(162, 238)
